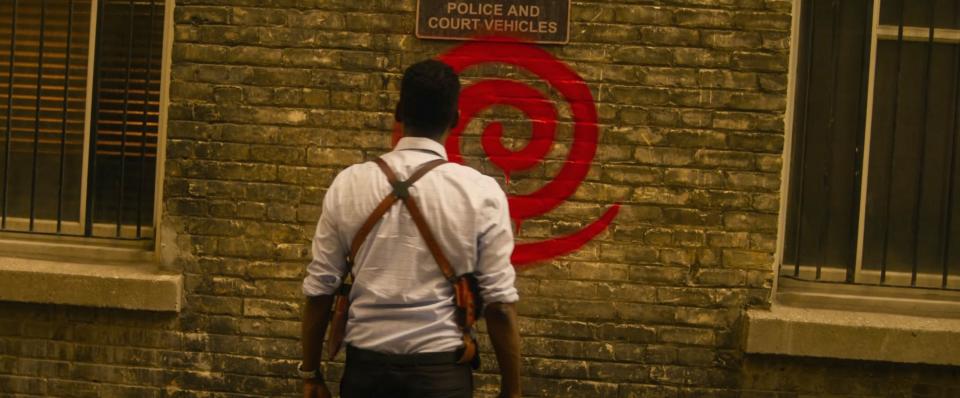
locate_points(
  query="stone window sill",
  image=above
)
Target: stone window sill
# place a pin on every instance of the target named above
(67, 271)
(838, 321)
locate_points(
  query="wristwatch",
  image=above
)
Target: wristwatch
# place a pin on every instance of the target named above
(308, 374)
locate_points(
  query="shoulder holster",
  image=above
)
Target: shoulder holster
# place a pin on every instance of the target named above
(465, 286)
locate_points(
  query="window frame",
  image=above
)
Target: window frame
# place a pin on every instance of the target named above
(867, 278)
(165, 70)
(101, 231)
(846, 321)
(110, 273)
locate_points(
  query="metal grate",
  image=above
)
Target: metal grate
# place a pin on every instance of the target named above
(66, 171)
(874, 177)
(126, 116)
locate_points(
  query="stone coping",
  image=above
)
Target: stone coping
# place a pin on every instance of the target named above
(135, 286)
(871, 336)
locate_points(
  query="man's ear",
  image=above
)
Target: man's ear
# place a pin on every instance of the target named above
(396, 114)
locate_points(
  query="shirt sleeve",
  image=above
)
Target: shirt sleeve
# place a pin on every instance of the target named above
(325, 271)
(495, 273)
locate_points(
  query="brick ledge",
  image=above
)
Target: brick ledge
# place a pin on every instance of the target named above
(127, 286)
(870, 336)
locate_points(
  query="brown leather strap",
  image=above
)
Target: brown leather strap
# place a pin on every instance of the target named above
(420, 172)
(341, 307)
(367, 226)
(423, 170)
(386, 203)
(385, 168)
(401, 192)
(418, 219)
(469, 349)
(428, 237)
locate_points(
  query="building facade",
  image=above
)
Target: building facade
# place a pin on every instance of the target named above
(729, 197)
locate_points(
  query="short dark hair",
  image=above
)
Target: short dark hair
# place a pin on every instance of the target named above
(429, 95)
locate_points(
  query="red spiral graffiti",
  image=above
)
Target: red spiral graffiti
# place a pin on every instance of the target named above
(543, 115)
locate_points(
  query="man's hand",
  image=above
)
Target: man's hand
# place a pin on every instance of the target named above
(315, 389)
(505, 336)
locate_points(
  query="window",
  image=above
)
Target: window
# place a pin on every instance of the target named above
(874, 185)
(79, 116)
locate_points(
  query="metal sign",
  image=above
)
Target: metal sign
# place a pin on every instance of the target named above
(539, 21)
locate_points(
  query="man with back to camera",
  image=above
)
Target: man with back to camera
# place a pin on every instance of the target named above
(404, 333)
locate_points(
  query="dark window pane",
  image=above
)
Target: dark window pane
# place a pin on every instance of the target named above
(42, 112)
(913, 147)
(916, 13)
(828, 134)
(127, 118)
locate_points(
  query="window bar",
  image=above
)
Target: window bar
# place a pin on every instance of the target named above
(893, 145)
(835, 58)
(36, 120)
(800, 155)
(143, 129)
(858, 154)
(948, 201)
(123, 129)
(94, 122)
(63, 128)
(6, 143)
(945, 223)
(923, 144)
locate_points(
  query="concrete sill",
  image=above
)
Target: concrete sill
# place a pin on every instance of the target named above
(934, 303)
(850, 334)
(111, 282)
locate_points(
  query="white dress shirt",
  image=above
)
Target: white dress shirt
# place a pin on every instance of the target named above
(401, 303)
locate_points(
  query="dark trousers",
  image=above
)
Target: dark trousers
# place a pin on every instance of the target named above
(370, 374)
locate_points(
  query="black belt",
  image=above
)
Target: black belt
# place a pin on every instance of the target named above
(421, 359)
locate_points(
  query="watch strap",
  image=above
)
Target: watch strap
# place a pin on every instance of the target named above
(307, 375)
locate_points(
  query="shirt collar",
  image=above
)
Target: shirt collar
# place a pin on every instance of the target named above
(421, 143)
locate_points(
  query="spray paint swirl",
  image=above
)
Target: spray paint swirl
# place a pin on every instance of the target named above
(543, 115)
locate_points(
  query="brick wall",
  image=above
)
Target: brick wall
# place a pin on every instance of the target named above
(270, 98)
